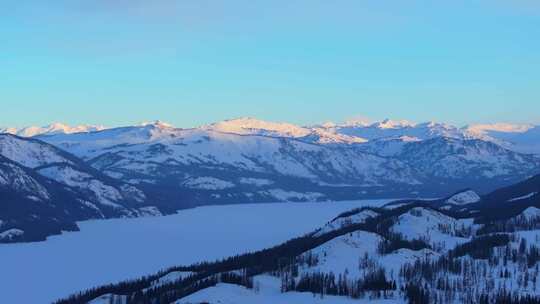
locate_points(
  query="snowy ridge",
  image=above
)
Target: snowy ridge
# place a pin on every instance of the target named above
(463, 198)
(54, 164)
(519, 137)
(105, 195)
(55, 128)
(269, 293)
(531, 213)
(20, 181)
(522, 138)
(485, 129)
(431, 226)
(29, 153)
(340, 222)
(171, 278)
(390, 129)
(451, 157)
(11, 234)
(252, 126)
(140, 150)
(287, 196)
(356, 254)
(255, 181)
(208, 183)
(47, 190)
(523, 197)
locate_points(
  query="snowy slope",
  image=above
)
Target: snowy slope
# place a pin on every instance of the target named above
(489, 129)
(252, 126)
(523, 197)
(407, 158)
(16, 178)
(66, 169)
(29, 153)
(340, 222)
(445, 157)
(33, 207)
(43, 184)
(433, 227)
(388, 146)
(356, 253)
(523, 138)
(517, 196)
(269, 294)
(11, 235)
(396, 129)
(153, 152)
(531, 213)
(463, 198)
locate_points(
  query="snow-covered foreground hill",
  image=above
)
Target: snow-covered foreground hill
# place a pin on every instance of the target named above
(270, 293)
(108, 251)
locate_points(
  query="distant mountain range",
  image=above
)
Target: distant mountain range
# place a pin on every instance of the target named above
(155, 168)
(518, 137)
(54, 128)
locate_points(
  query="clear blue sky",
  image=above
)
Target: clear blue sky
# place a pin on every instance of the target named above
(191, 62)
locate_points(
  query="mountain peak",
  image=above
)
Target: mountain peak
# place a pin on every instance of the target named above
(249, 125)
(157, 124)
(393, 124)
(433, 124)
(464, 197)
(329, 125)
(357, 122)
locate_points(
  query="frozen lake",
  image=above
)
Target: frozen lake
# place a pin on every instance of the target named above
(108, 251)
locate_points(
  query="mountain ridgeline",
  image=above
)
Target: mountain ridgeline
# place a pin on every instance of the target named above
(61, 175)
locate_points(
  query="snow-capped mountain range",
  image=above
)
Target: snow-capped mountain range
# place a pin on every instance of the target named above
(355, 154)
(155, 168)
(54, 128)
(518, 137)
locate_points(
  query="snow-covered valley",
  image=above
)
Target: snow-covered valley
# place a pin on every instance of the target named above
(107, 251)
(80, 173)
(448, 250)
